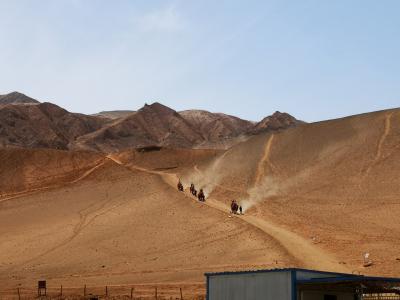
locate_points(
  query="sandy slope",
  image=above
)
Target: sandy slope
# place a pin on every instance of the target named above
(121, 226)
(315, 196)
(334, 183)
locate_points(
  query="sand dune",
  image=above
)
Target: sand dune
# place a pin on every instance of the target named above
(316, 196)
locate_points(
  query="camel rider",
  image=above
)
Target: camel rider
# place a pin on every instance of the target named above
(234, 207)
(191, 188)
(201, 195)
(180, 186)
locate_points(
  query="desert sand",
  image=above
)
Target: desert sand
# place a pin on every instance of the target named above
(315, 196)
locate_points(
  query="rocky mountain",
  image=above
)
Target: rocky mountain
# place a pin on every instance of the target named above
(25, 122)
(277, 121)
(114, 114)
(43, 125)
(153, 124)
(16, 98)
(216, 126)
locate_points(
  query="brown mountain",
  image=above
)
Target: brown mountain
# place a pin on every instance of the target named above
(275, 122)
(158, 125)
(114, 114)
(153, 124)
(315, 196)
(25, 122)
(216, 126)
(43, 125)
(16, 98)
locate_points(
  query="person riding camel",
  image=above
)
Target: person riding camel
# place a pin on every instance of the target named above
(234, 207)
(201, 196)
(180, 186)
(192, 188)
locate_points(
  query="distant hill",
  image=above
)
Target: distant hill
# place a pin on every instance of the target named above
(114, 114)
(276, 121)
(153, 124)
(159, 125)
(216, 126)
(46, 125)
(16, 98)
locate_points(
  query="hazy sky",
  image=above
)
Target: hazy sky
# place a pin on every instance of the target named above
(314, 59)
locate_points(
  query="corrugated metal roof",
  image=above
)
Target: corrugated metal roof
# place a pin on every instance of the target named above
(278, 270)
(357, 278)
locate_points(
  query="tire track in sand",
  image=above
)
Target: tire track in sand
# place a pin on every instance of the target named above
(265, 159)
(378, 154)
(388, 124)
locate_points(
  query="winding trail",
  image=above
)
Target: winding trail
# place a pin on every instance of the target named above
(20, 194)
(378, 155)
(304, 251)
(265, 159)
(90, 171)
(388, 124)
(298, 247)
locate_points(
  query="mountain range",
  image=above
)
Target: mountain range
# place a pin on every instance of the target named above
(29, 123)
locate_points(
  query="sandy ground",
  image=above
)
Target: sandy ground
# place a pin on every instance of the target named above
(121, 226)
(318, 196)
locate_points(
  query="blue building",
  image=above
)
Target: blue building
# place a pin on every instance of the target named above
(299, 284)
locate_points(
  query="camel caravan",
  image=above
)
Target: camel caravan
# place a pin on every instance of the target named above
(200, 195)
(235, 207)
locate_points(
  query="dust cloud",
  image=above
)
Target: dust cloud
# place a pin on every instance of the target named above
(268, 187)
(271, 186)
(206, 179)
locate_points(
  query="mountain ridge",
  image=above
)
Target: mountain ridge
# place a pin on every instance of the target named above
(46, 125)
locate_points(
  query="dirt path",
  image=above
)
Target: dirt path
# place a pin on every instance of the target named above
(378, 155)
(388, 122)
(90, 171)
(300, 248)
(7, 197)
(265, 159)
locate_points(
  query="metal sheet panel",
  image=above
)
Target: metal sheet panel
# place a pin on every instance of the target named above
(251, 286)
(304, 275)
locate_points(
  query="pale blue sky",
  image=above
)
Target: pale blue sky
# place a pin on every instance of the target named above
(316, 59)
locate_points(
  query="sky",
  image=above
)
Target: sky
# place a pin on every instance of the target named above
(317, 60)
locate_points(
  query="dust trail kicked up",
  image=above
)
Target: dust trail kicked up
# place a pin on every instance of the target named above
(264, 186)
(265, 159)
(206, 179)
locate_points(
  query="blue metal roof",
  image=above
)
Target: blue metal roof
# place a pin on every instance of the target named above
(357, 278)
(278, 270)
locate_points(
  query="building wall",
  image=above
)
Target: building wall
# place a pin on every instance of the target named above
(319, 295)
(251, 286)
